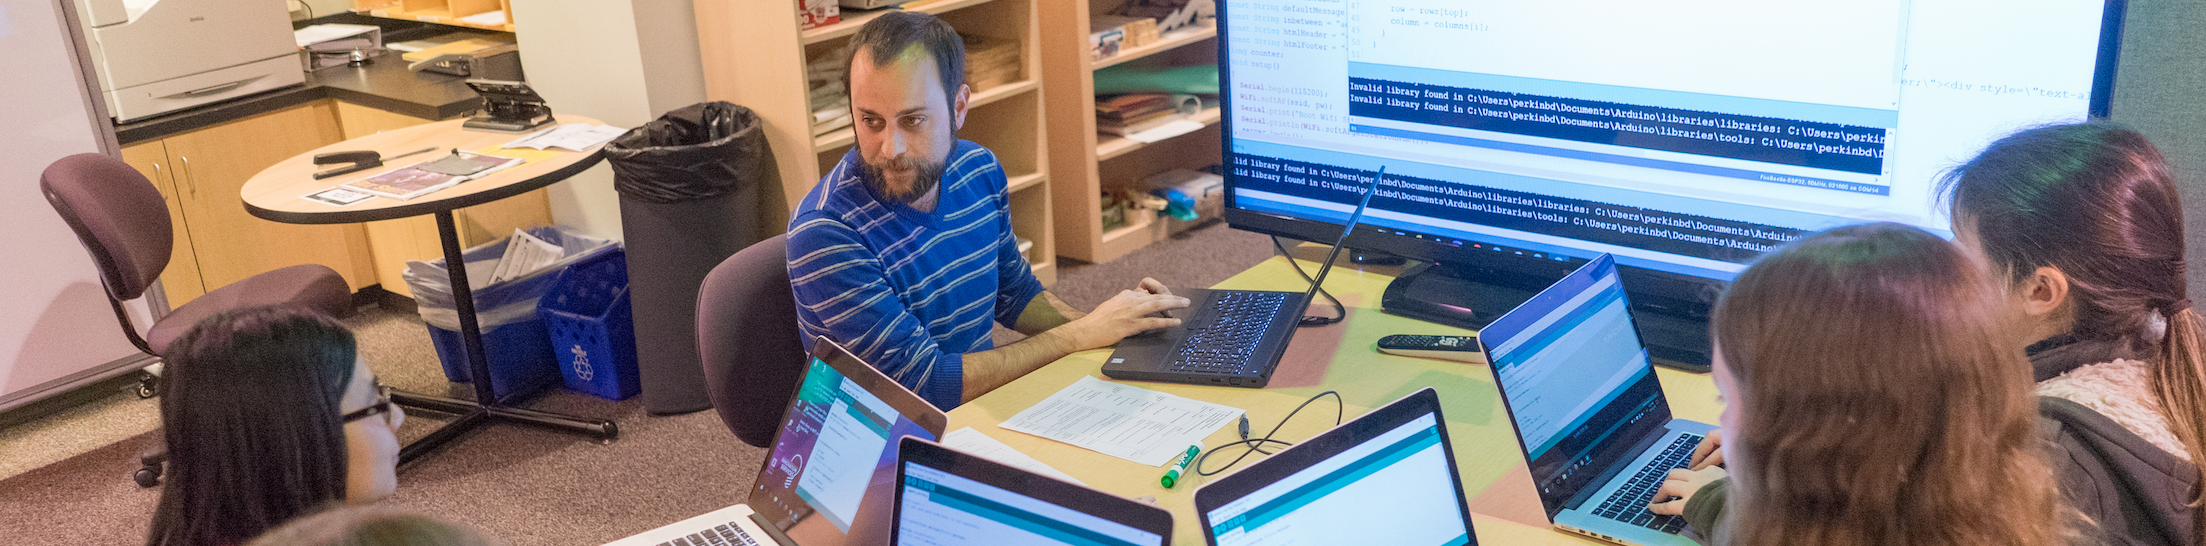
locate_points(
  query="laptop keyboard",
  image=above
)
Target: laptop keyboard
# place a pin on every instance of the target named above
(1629, 504)
(1238, 321)
(724, 535)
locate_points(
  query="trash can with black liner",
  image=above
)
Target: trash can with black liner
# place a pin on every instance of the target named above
(693, 186)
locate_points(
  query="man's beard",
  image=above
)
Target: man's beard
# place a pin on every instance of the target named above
(927, 175)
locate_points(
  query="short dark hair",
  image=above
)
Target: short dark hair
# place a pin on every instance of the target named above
(250, 415)
(887, 37)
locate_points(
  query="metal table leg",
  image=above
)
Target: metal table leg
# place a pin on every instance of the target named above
(486, 408)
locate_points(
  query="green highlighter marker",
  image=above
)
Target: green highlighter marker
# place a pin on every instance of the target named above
(1179, 466)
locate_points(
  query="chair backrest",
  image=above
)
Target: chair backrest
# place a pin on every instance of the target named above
(748, 339)
(119, 217)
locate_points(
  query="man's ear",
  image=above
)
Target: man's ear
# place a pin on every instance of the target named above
(959, 102)
(2044, 292)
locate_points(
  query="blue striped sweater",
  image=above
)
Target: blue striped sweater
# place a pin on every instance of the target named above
(908, 291)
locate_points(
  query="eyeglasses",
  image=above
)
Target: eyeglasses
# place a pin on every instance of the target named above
(382, 406)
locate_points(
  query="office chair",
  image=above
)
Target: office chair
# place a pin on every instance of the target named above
(120, 218)
(748, 340)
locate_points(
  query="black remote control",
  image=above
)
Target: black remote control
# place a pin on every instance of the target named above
(1463, 348)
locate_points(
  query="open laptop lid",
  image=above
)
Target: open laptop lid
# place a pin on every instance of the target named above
(1577, 382)
(1387, 477)
(836, 441)
(948, 498)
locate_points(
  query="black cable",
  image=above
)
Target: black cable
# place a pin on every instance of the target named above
(1255, 445)
(309, 8)
(1340, 311)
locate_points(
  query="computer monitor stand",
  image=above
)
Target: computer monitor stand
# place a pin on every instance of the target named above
(1472, 298)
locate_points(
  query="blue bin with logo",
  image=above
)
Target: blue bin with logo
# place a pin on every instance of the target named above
(514, 341)
(591, 326)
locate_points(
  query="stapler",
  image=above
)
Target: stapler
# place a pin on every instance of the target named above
(360, 160)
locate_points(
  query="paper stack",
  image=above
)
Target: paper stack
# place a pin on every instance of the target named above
(990, 62)
(1136, 112)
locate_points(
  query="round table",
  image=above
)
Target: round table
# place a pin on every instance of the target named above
(278, 194)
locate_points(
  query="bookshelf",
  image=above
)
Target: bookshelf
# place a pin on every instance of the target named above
(1083, 163)
(442, 12)
(755, 54)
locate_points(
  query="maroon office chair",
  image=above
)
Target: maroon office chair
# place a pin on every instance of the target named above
(120, 218)
(748, 340)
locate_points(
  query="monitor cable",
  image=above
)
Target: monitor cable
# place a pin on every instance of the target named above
(1256, 445)
(1340, 312)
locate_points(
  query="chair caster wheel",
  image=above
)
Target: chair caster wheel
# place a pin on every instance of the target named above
(146, 477)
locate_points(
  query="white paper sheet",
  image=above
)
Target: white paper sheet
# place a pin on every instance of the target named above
(491, 18)
(1123, 421)
(978, 444)
(524, 254)
(572, 136)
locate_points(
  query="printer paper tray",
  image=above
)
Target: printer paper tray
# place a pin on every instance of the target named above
(212, 86)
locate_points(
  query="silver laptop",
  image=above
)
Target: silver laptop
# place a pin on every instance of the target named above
(826, 482)
(1588, 411)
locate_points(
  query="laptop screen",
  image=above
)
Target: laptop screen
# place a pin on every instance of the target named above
(1396, 488)
(938, 508)
(1570, 364)
(834, 439)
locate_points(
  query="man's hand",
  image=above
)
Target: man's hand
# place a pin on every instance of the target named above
(1679, 488)
(1153, 286)
(1123, 315)
(1709, 452)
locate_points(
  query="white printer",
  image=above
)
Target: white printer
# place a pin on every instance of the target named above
(157, 56)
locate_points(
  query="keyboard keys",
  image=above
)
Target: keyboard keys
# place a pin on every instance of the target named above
(1629, 503)
(726, 534)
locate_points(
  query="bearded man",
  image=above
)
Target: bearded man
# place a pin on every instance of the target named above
(903, 253)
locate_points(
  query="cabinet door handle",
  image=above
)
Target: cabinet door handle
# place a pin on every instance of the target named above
(157, 173)
(188, 176)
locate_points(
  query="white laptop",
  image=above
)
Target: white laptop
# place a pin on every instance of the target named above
(826, 483)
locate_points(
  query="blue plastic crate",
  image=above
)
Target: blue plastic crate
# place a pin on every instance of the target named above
(592, 327)
(520, 357)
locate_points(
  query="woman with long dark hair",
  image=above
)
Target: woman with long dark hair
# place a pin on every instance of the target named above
(2083, 228)
(269, 414)
(1924, 434)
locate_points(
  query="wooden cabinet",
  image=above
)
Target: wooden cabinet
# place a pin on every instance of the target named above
(213, 165)
(217, 243)
(395, 242)
(181, 280)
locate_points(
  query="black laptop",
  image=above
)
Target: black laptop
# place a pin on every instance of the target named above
(1229, 337)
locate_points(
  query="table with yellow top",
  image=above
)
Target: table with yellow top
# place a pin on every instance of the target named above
(1342, 358)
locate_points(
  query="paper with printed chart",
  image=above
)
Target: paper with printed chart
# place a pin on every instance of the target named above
(1123, 421)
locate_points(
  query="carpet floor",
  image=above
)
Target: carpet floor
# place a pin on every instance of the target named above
(528, 487)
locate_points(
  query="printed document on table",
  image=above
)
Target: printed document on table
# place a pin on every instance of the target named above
(1123, 421)
(978, 444)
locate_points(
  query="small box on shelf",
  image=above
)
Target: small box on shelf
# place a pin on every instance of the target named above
(813, 14)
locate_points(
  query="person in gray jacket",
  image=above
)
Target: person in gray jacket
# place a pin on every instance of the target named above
(2083, 225)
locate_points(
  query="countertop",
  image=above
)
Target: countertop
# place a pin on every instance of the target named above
(383, 83)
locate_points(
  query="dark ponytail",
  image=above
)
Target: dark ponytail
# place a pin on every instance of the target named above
(2099, 203)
